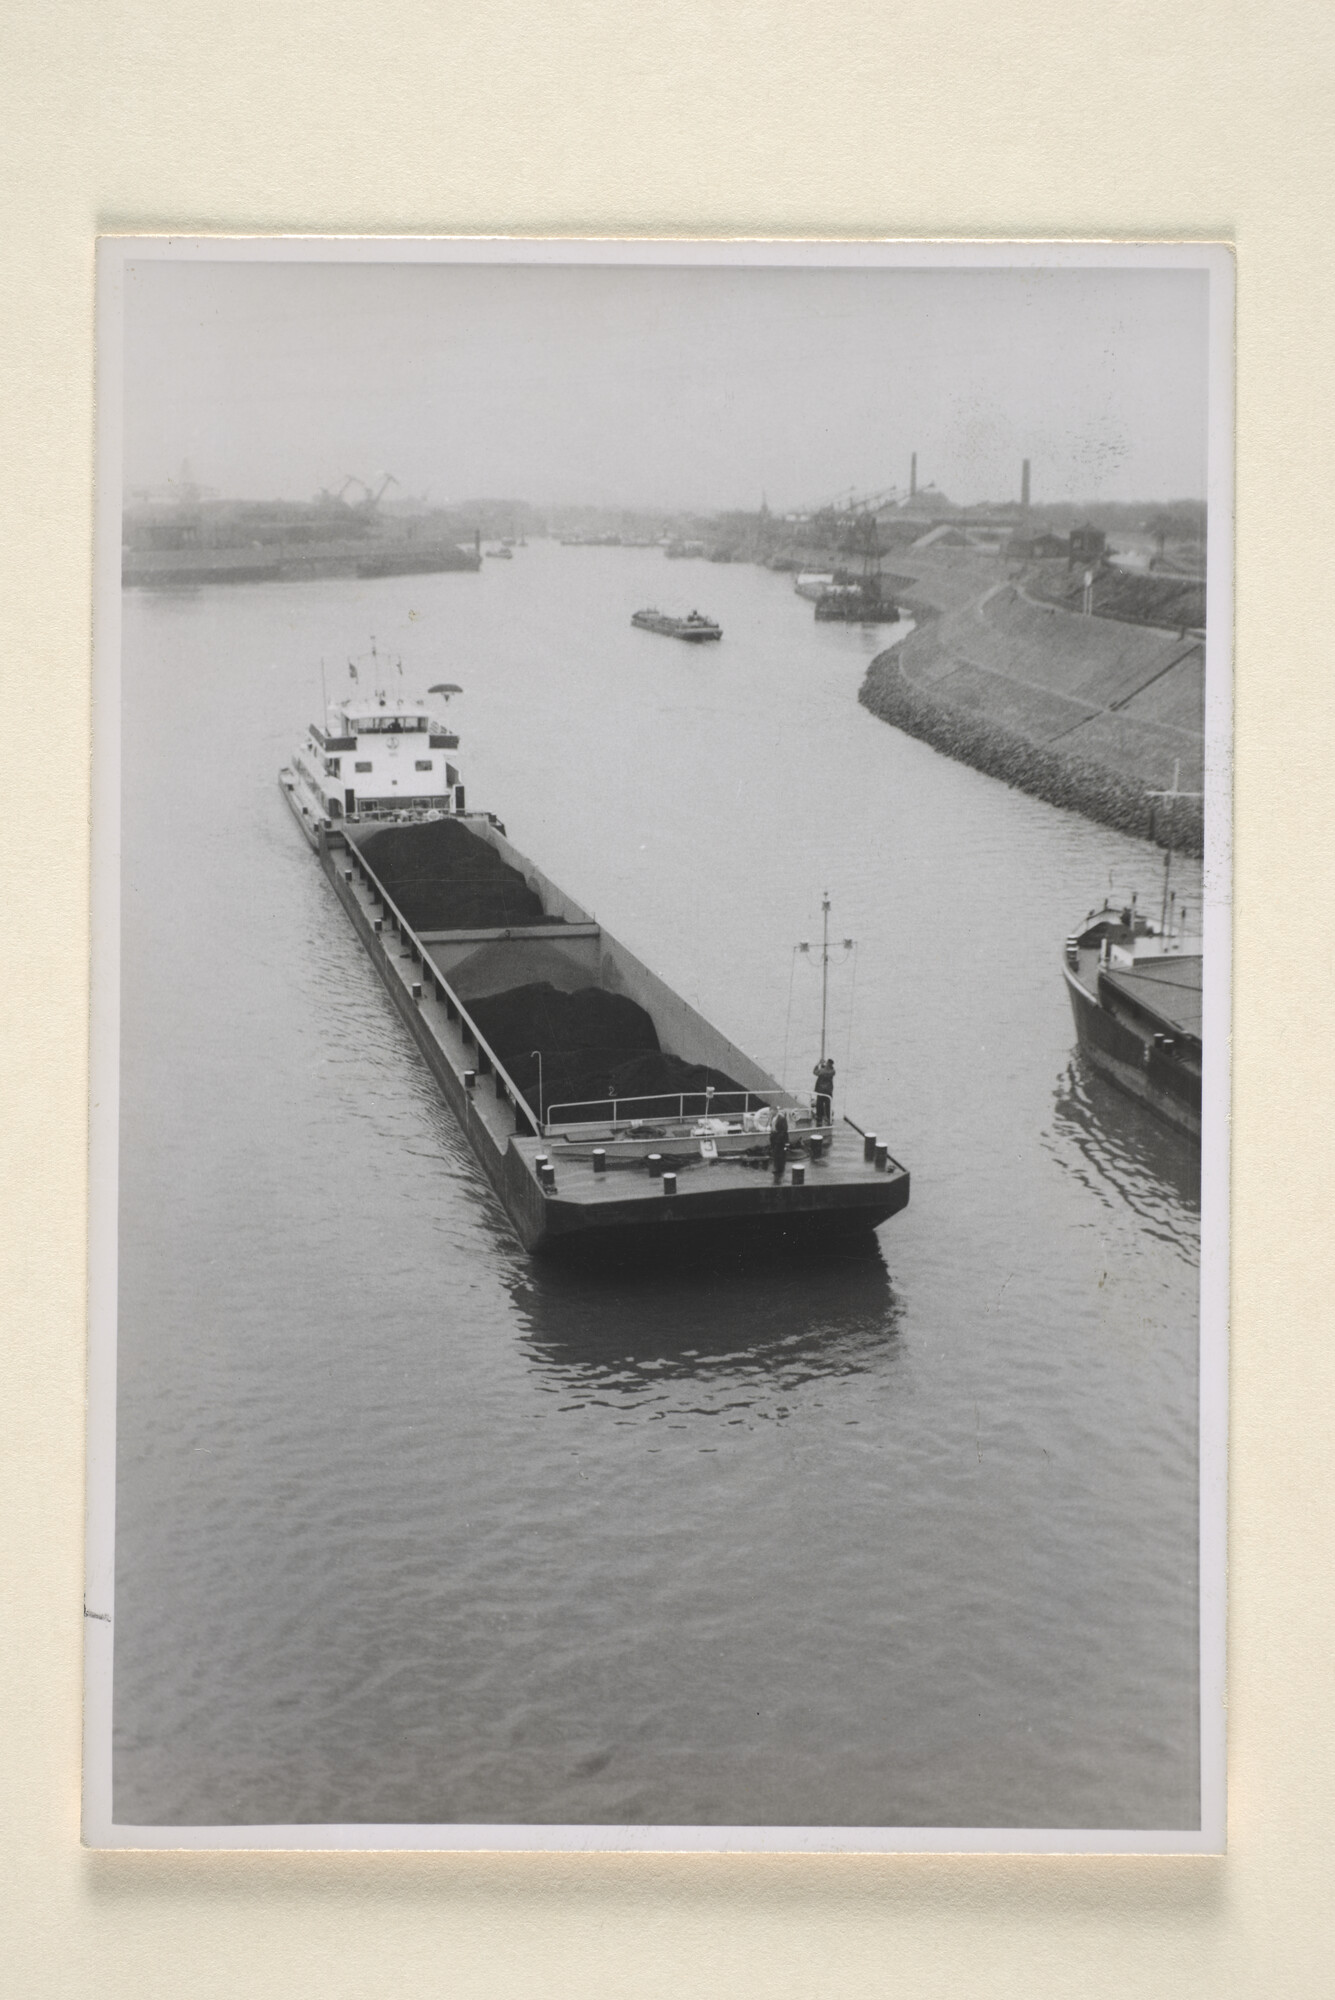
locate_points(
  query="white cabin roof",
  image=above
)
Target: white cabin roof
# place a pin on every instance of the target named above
(353, 715)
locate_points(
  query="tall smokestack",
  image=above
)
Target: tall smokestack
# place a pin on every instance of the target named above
(913, 476)
(1024, 484)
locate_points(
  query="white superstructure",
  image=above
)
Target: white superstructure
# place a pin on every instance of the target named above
(379, 755)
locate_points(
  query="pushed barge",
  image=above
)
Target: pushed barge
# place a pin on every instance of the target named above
(694, 627)
(1135, 991)
(605, 1110)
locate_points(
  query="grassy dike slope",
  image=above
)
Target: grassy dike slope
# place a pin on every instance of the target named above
(1086, 713)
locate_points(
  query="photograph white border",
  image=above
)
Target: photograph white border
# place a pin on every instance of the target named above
(99, 1829)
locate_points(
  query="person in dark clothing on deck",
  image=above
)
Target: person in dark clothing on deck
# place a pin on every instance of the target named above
(824, 1074)
(778, 1143)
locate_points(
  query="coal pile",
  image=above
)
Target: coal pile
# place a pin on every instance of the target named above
(444, 878)
(595, 1046)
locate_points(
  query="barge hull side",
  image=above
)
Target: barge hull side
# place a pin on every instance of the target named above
(492, 1158)
(1120, 1056)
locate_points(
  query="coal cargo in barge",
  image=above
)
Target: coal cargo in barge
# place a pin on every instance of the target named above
(606, 1112)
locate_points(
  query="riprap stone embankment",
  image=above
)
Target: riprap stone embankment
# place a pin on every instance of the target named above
(1084, 712)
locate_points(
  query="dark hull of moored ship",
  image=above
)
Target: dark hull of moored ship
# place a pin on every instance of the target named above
(857, 607)
(1146, 1055)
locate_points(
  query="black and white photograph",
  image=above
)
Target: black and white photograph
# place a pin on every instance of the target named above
(662, 889)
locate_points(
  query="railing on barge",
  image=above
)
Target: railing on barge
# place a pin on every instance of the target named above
(624, 1114)
(612, 1114)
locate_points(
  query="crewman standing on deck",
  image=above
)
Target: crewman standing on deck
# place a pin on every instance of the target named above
(824, 1074)
(778, 1143)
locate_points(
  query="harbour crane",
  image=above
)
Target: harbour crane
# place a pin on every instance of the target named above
(327, 500)
(851, 502)
(371, 498)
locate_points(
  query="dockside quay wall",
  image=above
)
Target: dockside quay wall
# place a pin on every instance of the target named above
(1083, 713)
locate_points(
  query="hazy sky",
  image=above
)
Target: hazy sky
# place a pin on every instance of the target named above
(674, 387)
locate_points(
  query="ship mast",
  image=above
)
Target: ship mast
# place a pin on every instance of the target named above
(1170, 797)
(847, 944)
(824, 967)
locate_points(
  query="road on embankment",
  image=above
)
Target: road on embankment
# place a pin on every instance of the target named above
(1085, 712)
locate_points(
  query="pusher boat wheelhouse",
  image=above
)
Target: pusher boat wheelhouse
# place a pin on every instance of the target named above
(378, 755)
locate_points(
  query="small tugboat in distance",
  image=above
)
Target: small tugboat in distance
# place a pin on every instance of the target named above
(695, 627)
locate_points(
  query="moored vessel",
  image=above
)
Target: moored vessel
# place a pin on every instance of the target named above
(694, 627)
(857, 604)
(606, 1111)
(1135, 992)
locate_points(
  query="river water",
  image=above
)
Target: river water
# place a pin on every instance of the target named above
(413, 1528)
